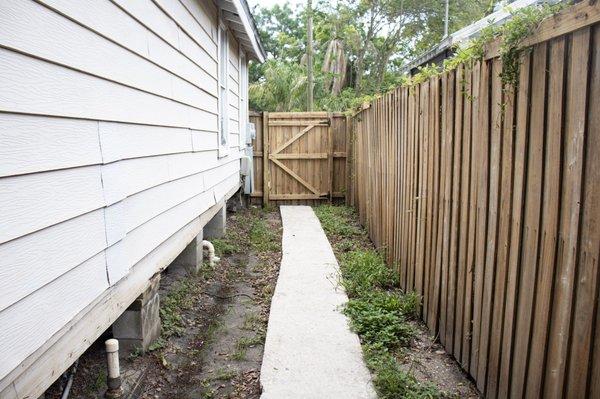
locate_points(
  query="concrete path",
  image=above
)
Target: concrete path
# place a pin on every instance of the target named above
(310, 351)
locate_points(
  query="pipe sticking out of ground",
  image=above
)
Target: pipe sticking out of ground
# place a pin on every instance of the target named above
(114, 374)
(212, 259)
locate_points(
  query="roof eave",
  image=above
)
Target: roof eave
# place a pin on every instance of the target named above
(239, 18)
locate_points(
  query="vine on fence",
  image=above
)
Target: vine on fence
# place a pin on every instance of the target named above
(511, 35)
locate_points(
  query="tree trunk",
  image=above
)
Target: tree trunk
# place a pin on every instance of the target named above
(309, 56)
(360, 61)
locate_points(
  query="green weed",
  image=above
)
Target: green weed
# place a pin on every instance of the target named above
(172, 307)
(224, 374)
(377, 309)
(224, 246)
(391, 381)
(159, 344)
(337, 220)
(263, 238)
(377, 324)
(364, 271)
(239, 354)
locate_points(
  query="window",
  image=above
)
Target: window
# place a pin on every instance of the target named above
(223, 90)
(243, 105)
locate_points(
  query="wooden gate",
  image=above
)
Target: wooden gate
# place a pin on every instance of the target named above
(303, 156)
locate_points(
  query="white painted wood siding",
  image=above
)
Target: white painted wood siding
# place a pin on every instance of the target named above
(108, 147)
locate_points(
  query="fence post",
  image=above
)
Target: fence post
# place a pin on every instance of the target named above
(266, 174)
(348, 193)
(330, 155)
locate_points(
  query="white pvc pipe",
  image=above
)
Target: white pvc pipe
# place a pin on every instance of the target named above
(212, 259)
(114, 374)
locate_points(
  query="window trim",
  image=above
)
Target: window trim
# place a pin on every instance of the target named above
(223, 90)
(243, 109)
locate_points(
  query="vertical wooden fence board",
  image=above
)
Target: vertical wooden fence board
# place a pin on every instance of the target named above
(495, 156)
(503, 242)
(432, 321)
(440, 275)
(485, 198)
(465, 169)
(550, 209)
(428, 199)
(472, 213)
(454, 171)
(311, 157)
(514, 250)
(446, 203)
(533, 199)
(482, 148)
(422, 190)
(586, 301)
(575, 122)
(406, 185)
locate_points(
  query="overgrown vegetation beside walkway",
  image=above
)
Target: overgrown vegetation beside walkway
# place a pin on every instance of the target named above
(213, 323)
(379, 312)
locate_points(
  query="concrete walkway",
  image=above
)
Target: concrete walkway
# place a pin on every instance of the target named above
(310, 351)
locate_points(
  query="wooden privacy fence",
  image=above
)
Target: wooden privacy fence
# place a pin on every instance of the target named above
(487, 200)
(299, 157)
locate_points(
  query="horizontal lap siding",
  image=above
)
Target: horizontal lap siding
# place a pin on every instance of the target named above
(108, 141)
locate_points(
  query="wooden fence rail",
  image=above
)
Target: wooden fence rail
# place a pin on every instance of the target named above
(487, 200)
(299, 157)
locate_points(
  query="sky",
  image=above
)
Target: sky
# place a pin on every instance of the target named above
(269, 3)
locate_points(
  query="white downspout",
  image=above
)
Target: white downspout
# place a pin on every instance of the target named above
(212, 259)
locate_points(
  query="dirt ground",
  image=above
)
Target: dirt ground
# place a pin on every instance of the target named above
(424, 358)
(215, 348)
(428, 362)
(214, 324)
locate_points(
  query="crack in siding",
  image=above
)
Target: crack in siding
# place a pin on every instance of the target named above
(104, 208)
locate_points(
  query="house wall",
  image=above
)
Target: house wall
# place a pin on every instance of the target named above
(108, 158)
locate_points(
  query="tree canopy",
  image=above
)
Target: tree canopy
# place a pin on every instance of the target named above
(359, 48)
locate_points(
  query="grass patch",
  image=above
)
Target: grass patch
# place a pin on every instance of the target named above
(379, 320)
(263, 238)
(338, 220)
(377, 309)
(224, 246)
(365, 270)
(239, 354)
(172, 307)
(254, 232)
(224, 374)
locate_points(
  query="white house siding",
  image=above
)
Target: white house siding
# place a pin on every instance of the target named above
(108, 159)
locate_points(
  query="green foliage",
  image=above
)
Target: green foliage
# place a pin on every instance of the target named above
(159, 344)
(282, 88)
(172, 307)
(378, 37)
(377, 310)
(224, 246)
(263, 238)
(364, 271)
(391, 381)
(337, 220)
(224, 374)
(409, 306)
(521, 25)
(511, 35)
(378, 320)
